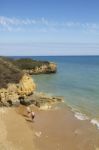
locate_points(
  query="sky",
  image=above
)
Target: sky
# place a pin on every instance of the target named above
(49, 27)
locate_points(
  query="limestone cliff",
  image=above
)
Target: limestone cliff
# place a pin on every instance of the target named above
(35, 66)
(13, 92)
(16, 84)
(26, 85)
(44, 68)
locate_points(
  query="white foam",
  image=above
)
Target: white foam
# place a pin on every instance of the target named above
(81, 116)
(95, 122)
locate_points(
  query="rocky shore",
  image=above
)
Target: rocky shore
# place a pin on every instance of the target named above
(24, 90)
(15, 92)
(13, 96)
(54, 129)
(43, 69)
(17, 88)
(36, 67)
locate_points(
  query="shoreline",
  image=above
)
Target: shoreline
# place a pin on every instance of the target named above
(53, 129)
(57, 128)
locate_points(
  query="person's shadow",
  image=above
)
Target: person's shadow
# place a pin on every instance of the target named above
(28, 120)
(25, 115)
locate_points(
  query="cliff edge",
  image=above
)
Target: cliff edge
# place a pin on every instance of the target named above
(17, 86)
(36, 67)
(17, 91)
(14, 83)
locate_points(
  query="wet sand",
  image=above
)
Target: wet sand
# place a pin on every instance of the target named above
(51, 130)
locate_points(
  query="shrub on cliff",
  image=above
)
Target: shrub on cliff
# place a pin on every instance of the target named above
(29, 63)
(9, 73)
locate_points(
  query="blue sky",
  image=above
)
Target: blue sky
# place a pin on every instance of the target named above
(49, 27)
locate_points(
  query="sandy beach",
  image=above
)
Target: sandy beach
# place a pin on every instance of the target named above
(14, 131)
(51, 129)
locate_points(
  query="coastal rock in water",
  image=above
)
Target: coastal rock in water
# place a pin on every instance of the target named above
(42, 100)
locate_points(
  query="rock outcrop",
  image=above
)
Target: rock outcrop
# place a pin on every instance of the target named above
(17, 86)
(41, 100)
(14, 92)
(43, 69)
(35, 66)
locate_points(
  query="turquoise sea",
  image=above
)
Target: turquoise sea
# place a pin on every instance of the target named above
(77, 80)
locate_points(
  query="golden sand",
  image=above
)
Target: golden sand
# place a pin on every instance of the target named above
(51, 130)
(14, 131)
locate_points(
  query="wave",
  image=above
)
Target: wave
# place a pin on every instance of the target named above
(80, 116)
(95, 122)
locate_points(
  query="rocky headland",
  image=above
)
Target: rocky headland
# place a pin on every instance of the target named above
(36, 67)
(17, 86)
(52, 129)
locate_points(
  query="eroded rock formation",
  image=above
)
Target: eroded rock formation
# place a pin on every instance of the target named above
(14, 92)
(45, 68)
(17, 86)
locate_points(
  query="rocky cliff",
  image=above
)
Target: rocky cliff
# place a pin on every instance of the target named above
(35, 66)
(16, 84)
(43, 69)
(14, 92)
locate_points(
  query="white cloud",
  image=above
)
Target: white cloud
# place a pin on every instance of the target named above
(42, 24)
(15, 21)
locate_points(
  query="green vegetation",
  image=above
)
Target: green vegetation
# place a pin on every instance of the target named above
(9, 73)
(11, 70)
(29, 63)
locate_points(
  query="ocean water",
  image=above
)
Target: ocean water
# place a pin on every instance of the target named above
(77, 80)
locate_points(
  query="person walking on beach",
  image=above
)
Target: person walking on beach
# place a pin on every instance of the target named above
(32, 115)
(28, 111)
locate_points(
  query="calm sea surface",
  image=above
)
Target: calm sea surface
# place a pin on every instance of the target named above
(77, 79)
